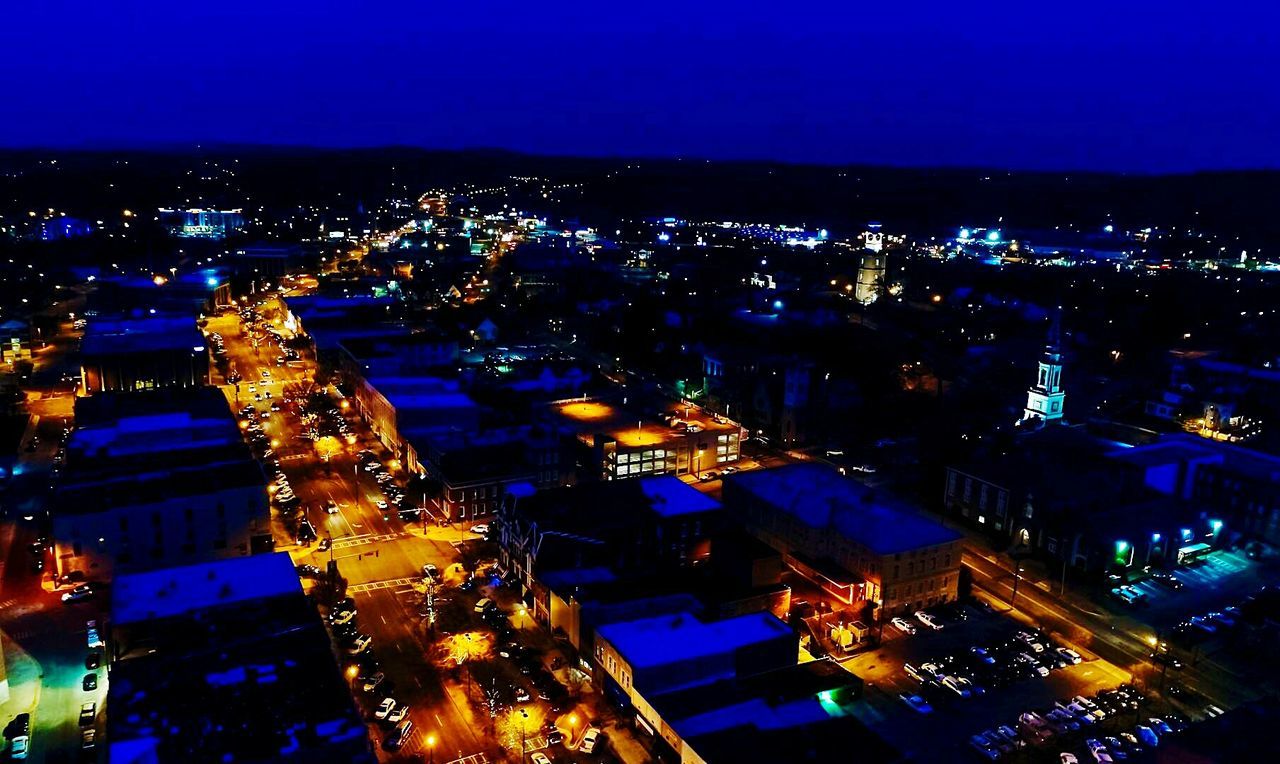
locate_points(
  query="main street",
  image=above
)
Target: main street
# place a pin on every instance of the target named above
(379, 556)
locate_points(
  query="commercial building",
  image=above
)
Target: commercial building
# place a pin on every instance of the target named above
(225, 661)
(613, 443)
(476, 470)
(1238, 486)
(557, 542)
(156, 479)
(666, 653)
(142, 353)
(721, 692)
(858, 544)
(1087, 502)
(404, 411)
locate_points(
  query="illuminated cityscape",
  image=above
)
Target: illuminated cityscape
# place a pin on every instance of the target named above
(691, 388)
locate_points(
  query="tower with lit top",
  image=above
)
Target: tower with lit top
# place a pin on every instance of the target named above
(1045, 397)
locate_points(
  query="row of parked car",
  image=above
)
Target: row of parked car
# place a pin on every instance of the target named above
(1027, 654)
(1083, 714)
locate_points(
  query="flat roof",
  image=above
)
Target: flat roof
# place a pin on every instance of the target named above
(822, 498)
(667, 639)
(141, 335)
(670, 496)
(633, 429)
(175, 591)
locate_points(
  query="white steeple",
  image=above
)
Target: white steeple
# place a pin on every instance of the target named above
(1044, 398)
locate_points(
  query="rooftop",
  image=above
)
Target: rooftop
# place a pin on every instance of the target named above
(141, 335)
(667, 639)
(632, 429)
(226, 661)
(821, 498)
(175, 591)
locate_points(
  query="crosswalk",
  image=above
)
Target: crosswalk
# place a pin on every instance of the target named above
(475, 758)
(350, 541)
(371, 586)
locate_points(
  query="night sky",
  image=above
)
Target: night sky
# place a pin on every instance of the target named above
(1106, 85)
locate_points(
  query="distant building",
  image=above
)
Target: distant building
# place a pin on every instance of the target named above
(263, 261)
(774, 395)
(871, 270)
(859, 545)
(143, 353)
(156, 479)
(226, 661)
(614, 444)
(197, 223)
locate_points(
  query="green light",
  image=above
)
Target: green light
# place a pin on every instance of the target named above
(1121, 547)
(825, 696)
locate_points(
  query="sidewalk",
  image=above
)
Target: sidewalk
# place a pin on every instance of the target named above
(21, 688)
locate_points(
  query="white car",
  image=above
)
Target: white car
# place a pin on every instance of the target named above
(381, 504)
(589, 740)
(398, 715)
(538, 757)
(928, 620)
(480, 529)
(341, 617)
(1071, 656)
(385, 708)
(903, 625)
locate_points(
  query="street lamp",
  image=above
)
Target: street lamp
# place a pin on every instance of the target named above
(573, 728)
(431, 748)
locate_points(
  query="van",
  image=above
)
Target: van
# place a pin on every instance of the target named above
(482, 605)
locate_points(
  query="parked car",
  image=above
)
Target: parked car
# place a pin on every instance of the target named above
(371, 683)
(928, 620)
(385, 708)
(589, 740)
(1070, 655)
(917, 703)
(78, 594)
(903, 625)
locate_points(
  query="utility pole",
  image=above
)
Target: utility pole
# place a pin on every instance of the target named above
(1017, 574)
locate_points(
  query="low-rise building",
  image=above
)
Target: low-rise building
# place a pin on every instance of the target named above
(712, 692)
(156, 479)
(475, 470)
(144, 353)
(898, 559)
(222, 661)
(600, 533)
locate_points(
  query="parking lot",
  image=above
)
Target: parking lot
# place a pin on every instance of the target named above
(1001, 685)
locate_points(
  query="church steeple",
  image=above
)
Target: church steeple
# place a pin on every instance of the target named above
(1045, 397)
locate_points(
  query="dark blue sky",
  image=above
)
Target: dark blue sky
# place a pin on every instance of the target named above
(1084, 84)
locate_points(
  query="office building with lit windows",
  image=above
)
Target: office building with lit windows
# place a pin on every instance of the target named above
(615, 444)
